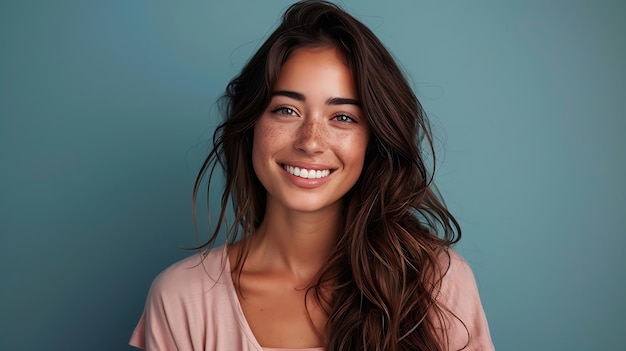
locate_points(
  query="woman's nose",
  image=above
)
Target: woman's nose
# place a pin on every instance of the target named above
(312, 137)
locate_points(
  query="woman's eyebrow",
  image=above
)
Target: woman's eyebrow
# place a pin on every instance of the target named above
(289, 94)
(331, 101)
(343, 101)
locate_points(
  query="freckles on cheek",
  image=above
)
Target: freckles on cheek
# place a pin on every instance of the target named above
(257, 143)
(352, 141)
(354, 146)
(265, 137)
(267, 133)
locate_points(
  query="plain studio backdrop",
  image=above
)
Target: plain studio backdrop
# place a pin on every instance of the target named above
(106, 108)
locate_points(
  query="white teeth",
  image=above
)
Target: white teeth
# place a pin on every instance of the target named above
(305, 173)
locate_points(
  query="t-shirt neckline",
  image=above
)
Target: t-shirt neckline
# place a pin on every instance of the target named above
(241, 318)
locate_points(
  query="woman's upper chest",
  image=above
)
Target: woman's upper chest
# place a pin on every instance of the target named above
(280, 313)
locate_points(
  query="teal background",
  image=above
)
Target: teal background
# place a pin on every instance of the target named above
(106, 108)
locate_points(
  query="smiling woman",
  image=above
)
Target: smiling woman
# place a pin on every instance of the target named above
(340, 243)
(309, 144)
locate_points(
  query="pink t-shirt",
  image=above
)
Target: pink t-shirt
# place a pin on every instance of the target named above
(193, 305)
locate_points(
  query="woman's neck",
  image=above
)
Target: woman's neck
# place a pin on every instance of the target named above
(295, 243)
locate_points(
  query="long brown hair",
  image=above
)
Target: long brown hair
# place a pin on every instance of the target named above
(379, 286)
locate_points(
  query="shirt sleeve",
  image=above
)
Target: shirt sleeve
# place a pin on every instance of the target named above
(153, 332)
(138, 339)
(466, 326)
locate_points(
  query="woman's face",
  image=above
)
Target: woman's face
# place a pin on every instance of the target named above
(309, 144)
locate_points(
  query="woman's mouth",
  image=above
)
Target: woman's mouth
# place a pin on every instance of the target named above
(307, 173)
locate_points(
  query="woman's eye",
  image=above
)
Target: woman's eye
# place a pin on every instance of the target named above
(344, 119)
(287, 111)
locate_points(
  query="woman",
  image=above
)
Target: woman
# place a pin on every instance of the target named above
(339, 241)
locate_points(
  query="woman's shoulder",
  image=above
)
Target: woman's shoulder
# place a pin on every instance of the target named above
(457, 275)
(455, 266)
(188, 305)
(197, 270)
(459, 294)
